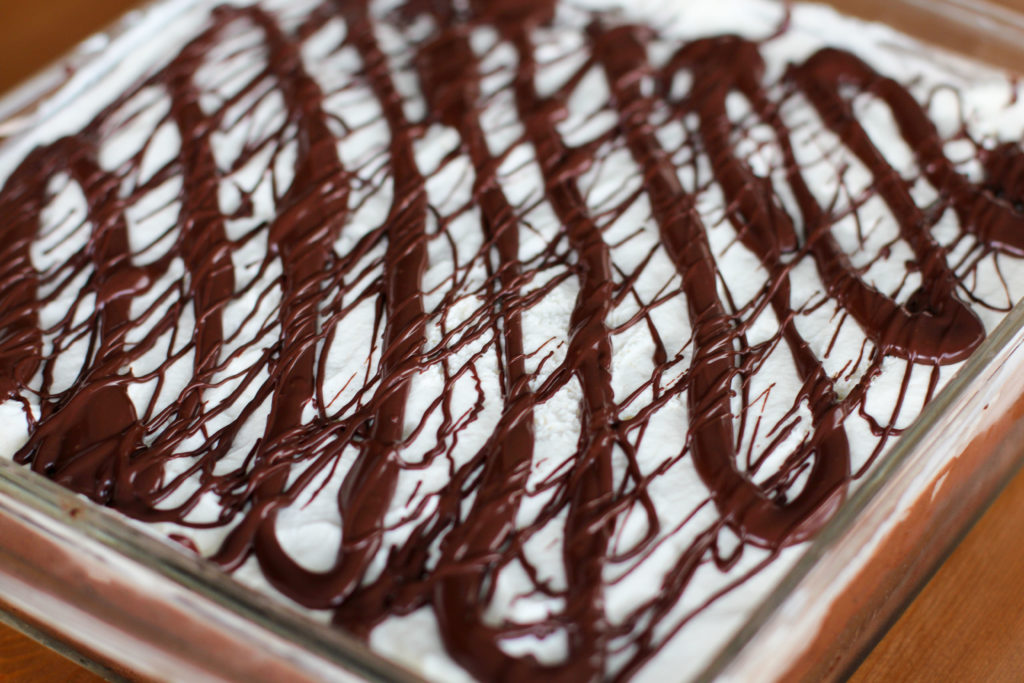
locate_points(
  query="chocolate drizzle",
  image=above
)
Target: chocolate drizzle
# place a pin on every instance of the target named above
(95, 434)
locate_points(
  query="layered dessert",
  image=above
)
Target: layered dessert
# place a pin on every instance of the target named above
(520, 339)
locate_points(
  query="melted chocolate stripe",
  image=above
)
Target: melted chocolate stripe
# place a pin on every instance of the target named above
(21, 341)
(103, 445)
(368, 487)
(759, 517)
(450, 78)
(934, 326)
(312, 213)
(206, 251)
(588, 527)
(996, 221)
(79, 448)
(204, 243)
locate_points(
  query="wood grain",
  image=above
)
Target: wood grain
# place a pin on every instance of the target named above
(35, 32)
(968, 622)
(966, 625)
(25, 661)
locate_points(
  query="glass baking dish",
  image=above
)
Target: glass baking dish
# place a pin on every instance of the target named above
(77, 575)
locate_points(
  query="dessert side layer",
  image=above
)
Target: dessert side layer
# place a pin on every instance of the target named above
(525, 339)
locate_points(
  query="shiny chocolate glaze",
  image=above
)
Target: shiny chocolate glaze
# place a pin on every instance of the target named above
(91, 437)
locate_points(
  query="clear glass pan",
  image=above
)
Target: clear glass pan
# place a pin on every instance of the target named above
(79, 575)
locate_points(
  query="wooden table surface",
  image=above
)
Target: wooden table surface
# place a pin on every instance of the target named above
(966, 625)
